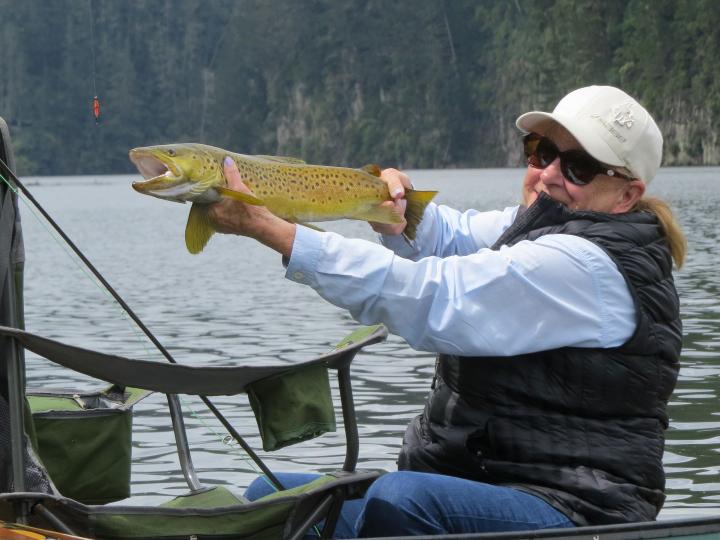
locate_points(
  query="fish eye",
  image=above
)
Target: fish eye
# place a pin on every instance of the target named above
(171, 152)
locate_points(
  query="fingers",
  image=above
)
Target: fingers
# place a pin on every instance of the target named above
(233, 177)
(397, 182)
(229, 215)
(398, 206)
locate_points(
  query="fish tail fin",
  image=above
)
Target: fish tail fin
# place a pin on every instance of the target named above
(416, 203)
(199, 228)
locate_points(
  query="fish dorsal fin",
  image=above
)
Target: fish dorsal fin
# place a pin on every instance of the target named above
(240, 196)
(199, 228)
(371, 168)
(282, 159)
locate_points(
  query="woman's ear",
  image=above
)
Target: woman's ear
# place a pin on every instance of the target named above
(630, 195)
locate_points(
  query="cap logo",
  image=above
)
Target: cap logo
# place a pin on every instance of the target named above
(615, 132)
(622, 115)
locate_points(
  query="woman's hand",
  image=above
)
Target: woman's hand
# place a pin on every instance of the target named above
(397, 182)
(230, 216)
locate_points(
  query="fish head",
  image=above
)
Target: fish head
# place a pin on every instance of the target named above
(177, 172)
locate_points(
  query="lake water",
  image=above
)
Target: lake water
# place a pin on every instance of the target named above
(231, 305)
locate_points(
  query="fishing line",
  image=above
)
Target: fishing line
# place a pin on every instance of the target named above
(228, 441)
(92, 45)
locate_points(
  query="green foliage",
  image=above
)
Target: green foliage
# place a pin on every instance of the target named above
(428, 83)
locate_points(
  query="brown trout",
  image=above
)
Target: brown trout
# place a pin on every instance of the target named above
(288, 187)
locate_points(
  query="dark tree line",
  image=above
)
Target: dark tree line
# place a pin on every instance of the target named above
(422, 83)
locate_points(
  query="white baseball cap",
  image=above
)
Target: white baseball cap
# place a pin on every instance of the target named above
(610, 125)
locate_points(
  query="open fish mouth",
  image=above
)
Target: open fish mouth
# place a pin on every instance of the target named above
(152, 166)
(163, 178)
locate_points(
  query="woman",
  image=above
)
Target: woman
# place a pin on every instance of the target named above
(556, 324)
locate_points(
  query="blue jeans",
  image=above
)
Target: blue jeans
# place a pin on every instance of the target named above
(406, 503)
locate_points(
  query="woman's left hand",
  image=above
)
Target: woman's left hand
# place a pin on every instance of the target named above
(397, 182)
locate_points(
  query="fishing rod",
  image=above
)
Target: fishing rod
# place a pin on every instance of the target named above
(226, 424)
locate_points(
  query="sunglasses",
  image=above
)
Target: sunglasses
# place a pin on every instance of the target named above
(577, 166)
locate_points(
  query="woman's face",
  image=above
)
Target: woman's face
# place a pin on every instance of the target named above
(608, 194)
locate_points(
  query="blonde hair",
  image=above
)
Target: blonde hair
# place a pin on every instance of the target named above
(670, 227)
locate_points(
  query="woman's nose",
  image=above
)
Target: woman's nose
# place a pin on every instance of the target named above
(552, 174)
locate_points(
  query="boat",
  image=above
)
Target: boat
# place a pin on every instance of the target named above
(66, 467)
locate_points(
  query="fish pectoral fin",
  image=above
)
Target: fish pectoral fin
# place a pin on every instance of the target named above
(282, 159)
(202, 186)
(371, 168)
(239, 196)
(199, 228)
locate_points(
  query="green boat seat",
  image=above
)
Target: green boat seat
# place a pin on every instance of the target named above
(215, 513)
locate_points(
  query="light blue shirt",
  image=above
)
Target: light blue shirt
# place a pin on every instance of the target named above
(447, 292)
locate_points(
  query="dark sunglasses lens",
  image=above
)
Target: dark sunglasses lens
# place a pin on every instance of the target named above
(530, 144)
(579, 168)
(540, 152)
(546, 152)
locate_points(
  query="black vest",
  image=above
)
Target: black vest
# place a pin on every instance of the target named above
(581, 428)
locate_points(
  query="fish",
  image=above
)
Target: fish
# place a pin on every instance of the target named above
(287, 186)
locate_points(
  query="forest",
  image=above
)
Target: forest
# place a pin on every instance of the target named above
(411, 84)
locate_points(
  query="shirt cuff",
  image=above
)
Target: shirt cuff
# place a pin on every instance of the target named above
(307, 250)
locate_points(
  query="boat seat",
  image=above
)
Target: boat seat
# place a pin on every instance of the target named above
(215, 513)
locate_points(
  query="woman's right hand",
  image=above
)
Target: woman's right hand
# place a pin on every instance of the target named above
(230, 216)
(397, 182)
